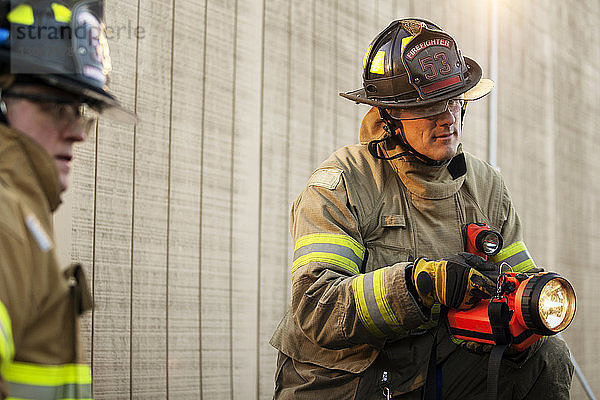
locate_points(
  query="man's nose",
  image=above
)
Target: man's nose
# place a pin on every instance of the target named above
(446, 118)
(75, 132)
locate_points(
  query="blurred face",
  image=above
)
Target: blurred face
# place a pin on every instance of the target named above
(50, 117)
(437, 136)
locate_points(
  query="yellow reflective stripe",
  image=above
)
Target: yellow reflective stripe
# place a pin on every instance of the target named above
(61, 13)
(456, 341)
(22, 14)
(7, 345)
(508, 251)
(332, 238)
(330, 258)
(405, 41)
(517, 256)
(337, 249)
(524, 266)
(47, 375)
(361, 306)
(365, 57)
(381, 299)
(378, 63)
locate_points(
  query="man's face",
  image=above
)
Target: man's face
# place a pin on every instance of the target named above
(436, 137)
(56, 127)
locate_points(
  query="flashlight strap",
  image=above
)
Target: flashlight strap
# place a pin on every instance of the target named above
(499, 315)
(494, 370)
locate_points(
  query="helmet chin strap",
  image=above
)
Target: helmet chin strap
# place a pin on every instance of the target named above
(3, 119)
(390, 129)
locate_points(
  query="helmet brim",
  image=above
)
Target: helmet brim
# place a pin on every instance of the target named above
(98, 99)
(54, 76)
(474, 89)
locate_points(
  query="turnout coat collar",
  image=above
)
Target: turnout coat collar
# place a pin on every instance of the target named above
(26, 166)
(425, 181)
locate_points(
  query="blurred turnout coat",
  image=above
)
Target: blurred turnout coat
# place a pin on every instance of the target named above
(356, 226)
(39, 302)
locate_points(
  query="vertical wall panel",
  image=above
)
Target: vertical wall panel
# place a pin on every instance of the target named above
(150, 211)
(184, 206)
(245, 197)
(111, 280)
(324, 69)
(347, 74)
(301, 87)
(274, 264)
(216, 262)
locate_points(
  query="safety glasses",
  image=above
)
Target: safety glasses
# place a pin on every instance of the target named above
(453, 105)
(63, 111)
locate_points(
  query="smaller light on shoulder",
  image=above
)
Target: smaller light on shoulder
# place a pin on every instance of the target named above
(481, 240)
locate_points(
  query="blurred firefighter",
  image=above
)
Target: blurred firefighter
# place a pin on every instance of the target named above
(54, 65)
(378, 243)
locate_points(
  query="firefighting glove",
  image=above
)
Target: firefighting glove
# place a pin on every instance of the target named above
(452, 281)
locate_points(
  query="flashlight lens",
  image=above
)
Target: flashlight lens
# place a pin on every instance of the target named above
(556, 305)
(491, 243)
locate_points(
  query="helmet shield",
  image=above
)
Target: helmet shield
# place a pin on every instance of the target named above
(413, 63)
(63, 47)
(433, 64)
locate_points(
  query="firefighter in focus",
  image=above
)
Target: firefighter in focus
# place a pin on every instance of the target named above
(379, 248)
(54, 64)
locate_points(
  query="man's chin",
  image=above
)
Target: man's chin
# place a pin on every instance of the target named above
(64, 182)
(444, 155)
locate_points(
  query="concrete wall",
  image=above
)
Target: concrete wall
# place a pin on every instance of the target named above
(182, 219)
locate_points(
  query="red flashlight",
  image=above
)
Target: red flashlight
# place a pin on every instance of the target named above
(481, 240)
(526, 308)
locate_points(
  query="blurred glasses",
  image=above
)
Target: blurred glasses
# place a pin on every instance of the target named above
(453, 105)
(63, 111)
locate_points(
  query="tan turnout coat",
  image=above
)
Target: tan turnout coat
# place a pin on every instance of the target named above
(40, 301)
(356, 226)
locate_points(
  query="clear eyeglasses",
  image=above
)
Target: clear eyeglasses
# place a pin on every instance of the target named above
(63, 111)
(453, 105)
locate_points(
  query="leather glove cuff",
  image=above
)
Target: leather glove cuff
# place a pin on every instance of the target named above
(408, 272)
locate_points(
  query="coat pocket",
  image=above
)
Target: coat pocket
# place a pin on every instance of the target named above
(389, 244)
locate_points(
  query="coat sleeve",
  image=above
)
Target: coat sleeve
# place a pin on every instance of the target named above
(514, 253)
(333, 303)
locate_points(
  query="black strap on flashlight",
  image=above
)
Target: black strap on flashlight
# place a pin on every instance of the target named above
(499, 315)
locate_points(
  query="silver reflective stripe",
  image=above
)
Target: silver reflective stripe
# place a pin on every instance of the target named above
(517, 259)
(7, 339)
(60, 392)
(328, 248)
(373, 308)
(516, 256)
(38, 232)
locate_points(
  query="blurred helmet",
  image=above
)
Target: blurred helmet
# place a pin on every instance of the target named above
(414, 63)
(58, 45)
